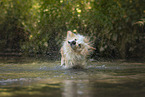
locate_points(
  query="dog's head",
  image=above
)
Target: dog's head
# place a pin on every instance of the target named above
(77, 42)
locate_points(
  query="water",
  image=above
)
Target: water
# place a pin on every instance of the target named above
(35, 78)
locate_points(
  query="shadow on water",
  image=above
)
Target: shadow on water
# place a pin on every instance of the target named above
(34, 78)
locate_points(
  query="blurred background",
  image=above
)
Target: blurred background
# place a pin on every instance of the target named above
(38, 27)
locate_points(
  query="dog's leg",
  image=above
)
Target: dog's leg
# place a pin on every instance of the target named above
(68, 64)
(62, 61)
(62, 57)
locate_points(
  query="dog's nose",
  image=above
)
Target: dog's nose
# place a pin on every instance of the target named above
(73, 42)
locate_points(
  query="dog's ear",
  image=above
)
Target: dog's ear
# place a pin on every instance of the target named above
(86, 40)
(92, 48)
(70, 34)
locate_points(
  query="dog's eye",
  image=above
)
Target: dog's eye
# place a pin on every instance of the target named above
(68, 42)
(80, 45)
(75, 39)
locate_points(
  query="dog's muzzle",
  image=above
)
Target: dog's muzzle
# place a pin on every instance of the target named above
(72, 43)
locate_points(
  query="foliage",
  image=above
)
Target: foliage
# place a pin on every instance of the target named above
(116, 27)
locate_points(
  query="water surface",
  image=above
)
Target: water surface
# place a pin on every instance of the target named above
(36, 78)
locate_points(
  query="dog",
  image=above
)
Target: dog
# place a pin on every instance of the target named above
(75, 50)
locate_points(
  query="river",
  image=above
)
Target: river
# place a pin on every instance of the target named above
(41, 78)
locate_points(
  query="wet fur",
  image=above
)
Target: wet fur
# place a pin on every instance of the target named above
(75, 56)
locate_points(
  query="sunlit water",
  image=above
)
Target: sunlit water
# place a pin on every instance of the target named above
(33, 78)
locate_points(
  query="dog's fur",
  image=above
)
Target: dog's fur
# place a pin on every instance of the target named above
(75, 50)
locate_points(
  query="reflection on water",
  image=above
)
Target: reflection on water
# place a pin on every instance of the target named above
(75, 89)
(48, 79)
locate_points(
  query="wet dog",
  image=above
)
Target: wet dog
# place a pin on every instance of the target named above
(75, 50)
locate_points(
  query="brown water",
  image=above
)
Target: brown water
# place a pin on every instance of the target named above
(35, 78)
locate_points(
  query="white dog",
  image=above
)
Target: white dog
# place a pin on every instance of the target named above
(75, 50)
